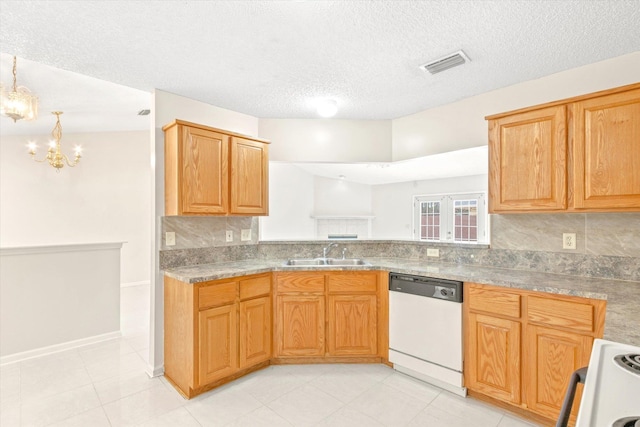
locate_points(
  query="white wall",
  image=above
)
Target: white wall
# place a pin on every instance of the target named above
(290, 204)
(166, 108)
(103, 199)
(328, 140)
(340, 197)
(392, 204)
(55, 297)
(462, 125)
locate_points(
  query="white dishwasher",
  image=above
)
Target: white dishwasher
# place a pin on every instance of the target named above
(425, 329)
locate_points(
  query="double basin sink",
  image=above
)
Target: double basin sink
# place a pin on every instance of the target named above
(326, 262)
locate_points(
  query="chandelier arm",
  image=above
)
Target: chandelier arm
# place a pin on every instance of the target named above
(69, 163)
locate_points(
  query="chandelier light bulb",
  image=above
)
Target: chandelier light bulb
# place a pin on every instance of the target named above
(327, 108)
(54, 156)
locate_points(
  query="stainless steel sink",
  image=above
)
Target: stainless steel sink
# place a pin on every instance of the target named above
(325, 262)
(349, 261)
(305, 262)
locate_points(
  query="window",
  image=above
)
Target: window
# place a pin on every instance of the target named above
(458, 218)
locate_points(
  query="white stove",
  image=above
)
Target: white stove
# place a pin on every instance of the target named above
(611, 395)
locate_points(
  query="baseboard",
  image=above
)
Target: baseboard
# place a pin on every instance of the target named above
(141, 283)
(157, 371)
(42, 351)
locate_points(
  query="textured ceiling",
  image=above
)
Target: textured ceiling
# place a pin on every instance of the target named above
(276, 58)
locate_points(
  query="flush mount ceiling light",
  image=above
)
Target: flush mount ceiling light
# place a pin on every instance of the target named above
(19, 103)
(327, 108)
(446, 62)
(54, 156)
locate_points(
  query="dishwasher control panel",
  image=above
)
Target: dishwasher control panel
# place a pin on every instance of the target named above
(430, 287)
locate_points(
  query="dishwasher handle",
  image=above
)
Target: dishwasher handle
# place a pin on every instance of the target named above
(428, 287)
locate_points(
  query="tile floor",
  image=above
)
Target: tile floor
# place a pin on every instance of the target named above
(105, 385)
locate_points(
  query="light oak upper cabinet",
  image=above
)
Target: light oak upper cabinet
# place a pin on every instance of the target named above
(606, 147)
(211, 171)
(528, 153)
(576, 155)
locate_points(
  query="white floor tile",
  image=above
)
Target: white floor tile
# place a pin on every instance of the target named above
(348, 417)
(41, 412)
(413, 387)
(9, 414)
(270, 384)
(62, 361)
(261, 417)
(37, 384)
(388, 405)
(345, 386)
(142, 406)
(222, 407)
(105, 350)
(177, 418)
(469, 409)
(93, 417)
(116, 388)
(512, 421)
(305, 406)
(116, 366)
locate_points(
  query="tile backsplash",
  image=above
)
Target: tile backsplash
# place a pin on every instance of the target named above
(608, 244)
(608, 234)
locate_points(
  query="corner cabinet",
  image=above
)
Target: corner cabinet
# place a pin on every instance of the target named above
(521, 347)
(330, 316)
(577, 155)
(211, 171)
(216, 331)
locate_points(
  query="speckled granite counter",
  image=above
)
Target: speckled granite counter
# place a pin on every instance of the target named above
(622, 322)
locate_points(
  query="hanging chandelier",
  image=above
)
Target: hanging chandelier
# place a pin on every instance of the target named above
(19, 103)
(54, 154)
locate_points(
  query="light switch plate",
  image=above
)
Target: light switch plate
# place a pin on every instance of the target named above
(433, 252)
(170, 238)
(229, 235)
(245, 234)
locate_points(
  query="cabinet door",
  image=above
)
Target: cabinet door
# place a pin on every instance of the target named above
(352, 325)
(218, 345)
(203, 172)
(606, 147)
(300, 325)
(492, 357)
(249, 177)
(255, 331)
(551, 357)
(527, 161)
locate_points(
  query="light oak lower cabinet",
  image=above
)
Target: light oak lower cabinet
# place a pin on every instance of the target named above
(521, 347)
(218, 352)
(333, 316)
(216, 331)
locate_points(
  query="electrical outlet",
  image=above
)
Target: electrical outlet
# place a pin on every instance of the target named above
(434, 252)
(568, 240)
(245, 234)
(229, 235)
(170, 238)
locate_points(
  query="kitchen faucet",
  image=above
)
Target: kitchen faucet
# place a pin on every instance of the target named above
(326, 250)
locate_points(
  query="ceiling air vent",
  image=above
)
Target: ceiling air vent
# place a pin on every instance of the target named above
(446, 62)
(144, 112)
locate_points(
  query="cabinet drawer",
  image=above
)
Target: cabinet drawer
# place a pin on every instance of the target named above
(256, 286)
(219, 294)
(494, 301)
(304, 282)
(349, 283)
(553, 312)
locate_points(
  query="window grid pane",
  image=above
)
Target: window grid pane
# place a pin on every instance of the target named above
(430, 220)
(465, 220)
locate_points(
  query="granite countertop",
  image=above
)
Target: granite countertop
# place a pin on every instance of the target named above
(623, 297)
